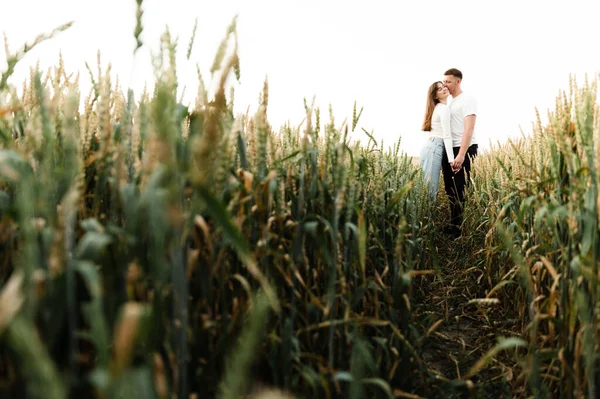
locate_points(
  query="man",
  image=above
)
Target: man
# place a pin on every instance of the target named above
(457, 174)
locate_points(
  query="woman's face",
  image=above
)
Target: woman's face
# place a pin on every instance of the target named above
(442, 92)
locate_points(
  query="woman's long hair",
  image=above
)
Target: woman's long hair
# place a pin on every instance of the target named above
(432, 101)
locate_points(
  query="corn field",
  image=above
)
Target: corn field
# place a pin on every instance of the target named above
(154, 249)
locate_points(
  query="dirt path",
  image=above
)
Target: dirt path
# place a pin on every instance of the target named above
(460, 328)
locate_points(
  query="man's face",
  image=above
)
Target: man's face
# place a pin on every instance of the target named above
(451, 82)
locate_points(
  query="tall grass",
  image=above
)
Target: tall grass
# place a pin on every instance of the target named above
(151, 248)
(539, 197)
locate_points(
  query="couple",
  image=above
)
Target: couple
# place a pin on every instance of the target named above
(451, 144)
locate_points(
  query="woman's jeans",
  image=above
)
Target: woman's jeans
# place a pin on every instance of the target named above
(431, 163)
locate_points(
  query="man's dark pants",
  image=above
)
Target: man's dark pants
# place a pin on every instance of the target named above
(455, 183)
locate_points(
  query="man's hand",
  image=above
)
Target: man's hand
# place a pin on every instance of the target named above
(458, 162)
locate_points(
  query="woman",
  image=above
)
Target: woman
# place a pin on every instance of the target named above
(437, 124)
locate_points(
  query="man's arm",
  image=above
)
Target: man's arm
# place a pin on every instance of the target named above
(467, 135)
(466, 142)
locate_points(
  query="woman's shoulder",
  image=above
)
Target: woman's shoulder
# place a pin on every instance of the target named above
(440, 107)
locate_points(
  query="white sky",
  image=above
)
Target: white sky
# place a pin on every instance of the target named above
(515, 55)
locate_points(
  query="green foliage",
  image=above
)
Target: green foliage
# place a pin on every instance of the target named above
(539, 198)
(166, 248)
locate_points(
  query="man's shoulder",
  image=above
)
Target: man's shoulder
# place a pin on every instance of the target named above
(469, 98)
(464, 96)
(463, 99)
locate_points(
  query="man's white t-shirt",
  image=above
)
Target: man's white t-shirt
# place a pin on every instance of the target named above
(461, 106)
(440, 127)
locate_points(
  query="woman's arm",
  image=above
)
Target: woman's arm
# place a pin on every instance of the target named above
(447, 132)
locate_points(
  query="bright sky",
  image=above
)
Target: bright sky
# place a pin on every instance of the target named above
(515, 55)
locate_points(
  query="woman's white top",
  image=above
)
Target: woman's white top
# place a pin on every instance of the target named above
(440, 127)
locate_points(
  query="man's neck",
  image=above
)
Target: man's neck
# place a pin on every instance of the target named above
(457, 93)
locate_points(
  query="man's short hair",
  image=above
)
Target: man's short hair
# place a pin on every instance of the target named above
(454, 72)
